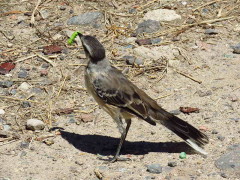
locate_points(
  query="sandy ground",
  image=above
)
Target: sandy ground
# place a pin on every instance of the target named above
(89, 131)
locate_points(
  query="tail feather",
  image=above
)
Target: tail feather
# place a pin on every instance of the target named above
(192, 136)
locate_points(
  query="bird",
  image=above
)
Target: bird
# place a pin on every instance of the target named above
(123, 100)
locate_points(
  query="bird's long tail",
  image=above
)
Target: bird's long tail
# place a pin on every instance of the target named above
(192, 136)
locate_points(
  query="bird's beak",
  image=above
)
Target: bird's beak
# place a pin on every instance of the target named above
(80, 35)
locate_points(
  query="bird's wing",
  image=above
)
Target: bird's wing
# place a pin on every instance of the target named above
(115, 89)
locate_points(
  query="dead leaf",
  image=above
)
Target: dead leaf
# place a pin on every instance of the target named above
(52, 49)
(6, 67)
(64, 111)
(188, 110)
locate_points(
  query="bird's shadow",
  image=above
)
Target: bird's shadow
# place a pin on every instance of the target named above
(105, 145)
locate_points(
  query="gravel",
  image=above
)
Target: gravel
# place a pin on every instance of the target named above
(154, 168)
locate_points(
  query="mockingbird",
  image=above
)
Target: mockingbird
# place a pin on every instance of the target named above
(121, 99)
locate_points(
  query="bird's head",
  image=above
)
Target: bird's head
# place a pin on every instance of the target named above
(93, 48)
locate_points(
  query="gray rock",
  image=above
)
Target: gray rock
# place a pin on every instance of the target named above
(234, 147)
(25, 104)
(211, 31)
(12, 91)
(220, 137)
(45, 65)
(224, 175)
(148, 26)
(229, 161)
(35, 124)
(6, 127)
(214, 131)
(4, 134)
(44, 13)
(204, 93)
(156, 40)
(235, 119)
(62, 8)
(129, 59)
(37, 90)
(6, 84)
(175, 112)
(22, 74)
(85, 19)
(149, 177)
(154, 168)
(23, 153)
(24, 144)
(172, 164)
(236, 48)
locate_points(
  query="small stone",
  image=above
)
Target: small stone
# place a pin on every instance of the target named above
(87, 118)
(154, 168)
(172, 164)
(72, 120)
(9, 45)
(85, 19)
(148, 26)
(4, 134)
(24, 144)
(214, 131)
(235, 119)
(35, 124)
(156, 40)
(129, 59)
(48, 142)
(6, 127)
(211, 31)
(175, 112)
(45, 66)
(149, 177)
(44, 13)
(132, 10)
(162, 15)
(229, 161)
(24, 86)
(224, 175)
(221, 138)
(236, 48)
(6, 84)
(234, 147)
(25, 104)
(204, 93)
(43, 72)
(143, 41)
(62, 8)
(12, 91)
(23, 153)
(182, 155)
(2, 112)
(22, 74)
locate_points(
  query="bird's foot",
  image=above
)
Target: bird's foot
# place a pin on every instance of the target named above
(113, 159)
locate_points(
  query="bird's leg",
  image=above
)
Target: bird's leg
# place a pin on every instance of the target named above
(122, 139)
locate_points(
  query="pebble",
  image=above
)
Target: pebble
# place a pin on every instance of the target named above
(24, 86)
(156, 40)
(9, 45)
(175, 112)
(24, 144)
(44, 13)
(35, 124)
(37, 90)
(235, 119)
(148, 26)
(143, 41)
(133, 60)
(45, 66)
(85, 19)
(214, 131)
(224, 175)
(229, 161)
(211, 31)
(234, 147)
(162, 15)
(154, 168)
(149, 177)
(236, 48)
(221, 138)
(62, 8)
(204, 93)
(172, 164)
(4, 134)
(6, 127)
(43, 72)
(6, 84)
(2, 112)
(25, 104)
(22, 73)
